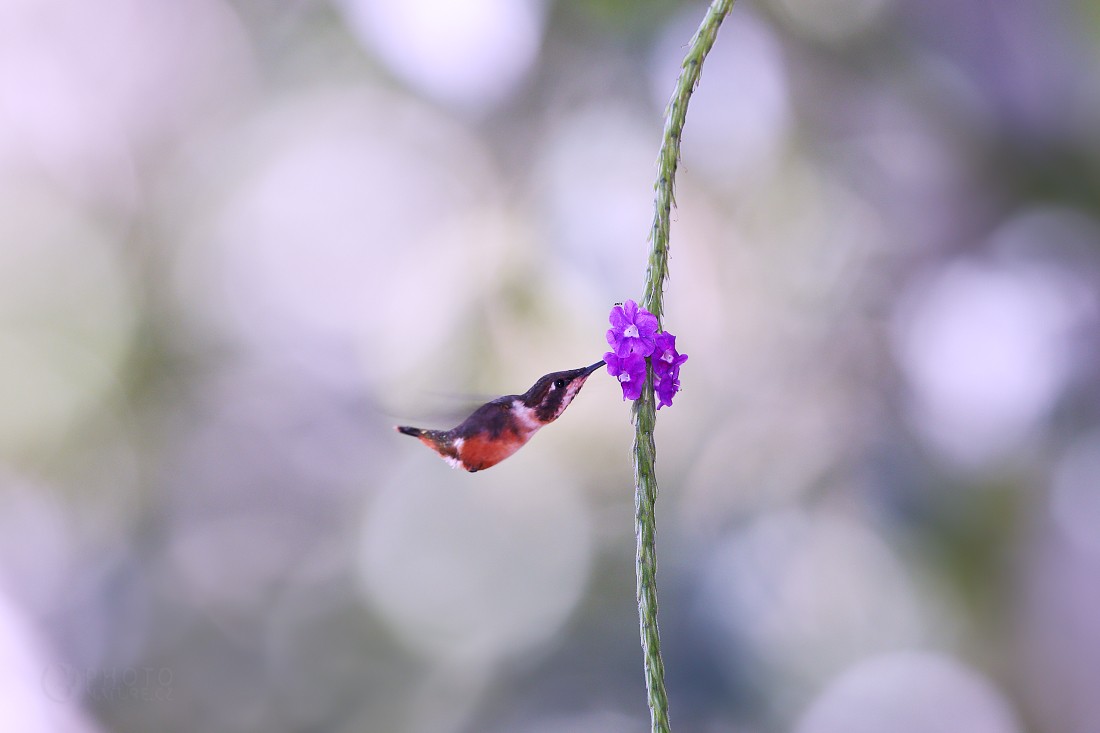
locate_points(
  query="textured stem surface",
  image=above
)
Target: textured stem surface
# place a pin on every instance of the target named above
(645, 413)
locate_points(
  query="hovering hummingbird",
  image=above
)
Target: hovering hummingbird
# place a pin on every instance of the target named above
(499, 428)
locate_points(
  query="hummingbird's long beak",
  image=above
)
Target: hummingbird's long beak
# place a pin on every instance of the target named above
(594, 367)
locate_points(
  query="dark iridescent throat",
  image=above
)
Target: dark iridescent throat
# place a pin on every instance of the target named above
(547, 402)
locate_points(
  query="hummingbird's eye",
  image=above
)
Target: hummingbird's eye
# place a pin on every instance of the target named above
(559, 383)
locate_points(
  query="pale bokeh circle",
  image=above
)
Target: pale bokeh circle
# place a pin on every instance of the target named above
(475, 566)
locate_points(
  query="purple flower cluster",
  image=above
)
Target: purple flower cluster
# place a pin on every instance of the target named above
(633, 337)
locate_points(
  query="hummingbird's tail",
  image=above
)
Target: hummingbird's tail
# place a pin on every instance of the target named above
(440, 441)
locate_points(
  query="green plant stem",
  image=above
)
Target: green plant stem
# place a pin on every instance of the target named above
(645, 413)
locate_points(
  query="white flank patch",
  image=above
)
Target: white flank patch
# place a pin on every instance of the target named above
(452, 461)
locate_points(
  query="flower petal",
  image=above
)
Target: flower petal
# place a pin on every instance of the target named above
(665, 341)
(665, 389)
(646, 323)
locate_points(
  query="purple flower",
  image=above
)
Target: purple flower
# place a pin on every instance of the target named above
(666, 359)
(632, 330)
(629, 370)
(634, 342)
(665, 388)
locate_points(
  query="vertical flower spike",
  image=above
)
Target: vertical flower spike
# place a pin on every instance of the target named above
(644, 412)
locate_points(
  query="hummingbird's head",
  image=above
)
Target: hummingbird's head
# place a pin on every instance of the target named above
(549, 396)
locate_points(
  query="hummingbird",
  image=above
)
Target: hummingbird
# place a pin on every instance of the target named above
(499, 428)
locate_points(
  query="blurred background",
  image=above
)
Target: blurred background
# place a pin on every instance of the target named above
(239, 240)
